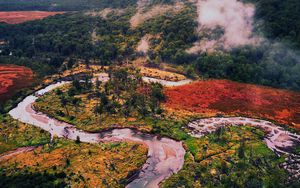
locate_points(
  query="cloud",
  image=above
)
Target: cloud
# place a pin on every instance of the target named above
(234, 17)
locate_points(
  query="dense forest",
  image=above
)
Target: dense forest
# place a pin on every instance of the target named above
(275, 62)
(77, 35)
(53, 40)
(281, 19)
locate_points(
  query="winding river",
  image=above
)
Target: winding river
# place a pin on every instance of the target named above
(165, 156)
(277, 139)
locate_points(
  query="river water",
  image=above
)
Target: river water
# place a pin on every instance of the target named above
(165, 156)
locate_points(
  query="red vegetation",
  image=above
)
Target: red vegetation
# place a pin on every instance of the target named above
(232, 98)
(24, 16)
(13, 78)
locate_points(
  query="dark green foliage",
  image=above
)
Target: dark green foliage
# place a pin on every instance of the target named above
(68, 162)
(156, 96)
(40, 67)
(125, 85)
(29, 180)
(241, 150)
(281, 19)
(178, 34)
(53, 40)
(77, 140)
(254, 65)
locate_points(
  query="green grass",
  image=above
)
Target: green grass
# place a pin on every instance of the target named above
(213, 161)
(15, 134)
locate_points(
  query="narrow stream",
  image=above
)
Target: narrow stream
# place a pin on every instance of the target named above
(165, 82)
(277, 139)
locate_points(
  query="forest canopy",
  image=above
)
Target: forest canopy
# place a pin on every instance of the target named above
(76, 35)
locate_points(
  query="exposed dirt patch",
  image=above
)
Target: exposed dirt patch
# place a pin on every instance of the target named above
(17, 17)
(231, 98)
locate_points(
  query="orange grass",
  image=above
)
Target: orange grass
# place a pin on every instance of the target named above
(17, 17)
(13, 78)
(232, 98)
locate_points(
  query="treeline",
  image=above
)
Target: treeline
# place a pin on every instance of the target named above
(272, 64)
(40, 68)
(65, 5)
(255, 65)
(51, 41)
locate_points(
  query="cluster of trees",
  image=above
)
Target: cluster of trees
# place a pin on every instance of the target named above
(125, 94)
(65, 5)
(54, 39)
(271, 64)
(69, 97)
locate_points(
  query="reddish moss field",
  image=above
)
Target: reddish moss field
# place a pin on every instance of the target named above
(231, 98)
(13, 78)
(24, 16)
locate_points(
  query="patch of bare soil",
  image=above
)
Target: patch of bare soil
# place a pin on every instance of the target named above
(17, 17)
